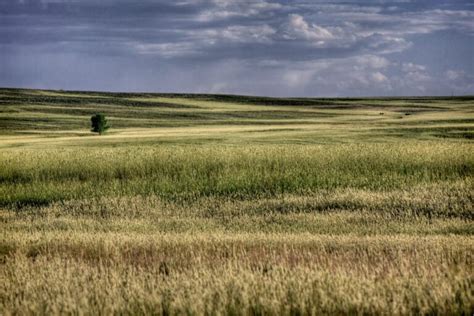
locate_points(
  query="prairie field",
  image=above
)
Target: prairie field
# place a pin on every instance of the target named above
(235, 205)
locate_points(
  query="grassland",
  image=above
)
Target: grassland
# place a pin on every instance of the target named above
(215, 204)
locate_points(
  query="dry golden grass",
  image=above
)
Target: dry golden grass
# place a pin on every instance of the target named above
(238, 274)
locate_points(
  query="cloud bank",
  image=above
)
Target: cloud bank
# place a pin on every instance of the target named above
(263, 47)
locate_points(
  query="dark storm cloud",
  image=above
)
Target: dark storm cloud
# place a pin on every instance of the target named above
(256, 46)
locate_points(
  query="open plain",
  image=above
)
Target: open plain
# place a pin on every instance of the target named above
(221, 204)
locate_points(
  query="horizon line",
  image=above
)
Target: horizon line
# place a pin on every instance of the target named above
(246, 95)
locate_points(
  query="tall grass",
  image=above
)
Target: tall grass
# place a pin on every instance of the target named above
(44, 176)
(240, 275)
(293, 230)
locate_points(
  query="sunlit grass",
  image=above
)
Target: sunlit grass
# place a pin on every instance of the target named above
(235, 205)
(43, 176)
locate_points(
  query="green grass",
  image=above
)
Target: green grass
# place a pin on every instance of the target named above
(41, 177)
(311, 120)
(221, 204)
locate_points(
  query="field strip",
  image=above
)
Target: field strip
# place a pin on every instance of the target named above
(150, 133)
(25, 237)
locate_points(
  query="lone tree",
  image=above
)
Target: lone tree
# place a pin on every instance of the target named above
(99, 123)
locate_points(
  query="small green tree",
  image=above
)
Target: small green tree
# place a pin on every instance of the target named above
(99, 123)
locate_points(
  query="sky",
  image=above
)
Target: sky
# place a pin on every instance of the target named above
(298, 48)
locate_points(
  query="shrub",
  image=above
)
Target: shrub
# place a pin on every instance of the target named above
(99, 124)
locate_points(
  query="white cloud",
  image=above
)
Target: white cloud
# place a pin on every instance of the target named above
(411, 67)
(460, 81)
(224, 9)
(415, 75)
(298, 77)
(348, 28)
(298, 28)
(206, 39)
(379, 77)
(333, 76)
(165, 49)
(454, 74)
(372, 61)
(246, 34)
